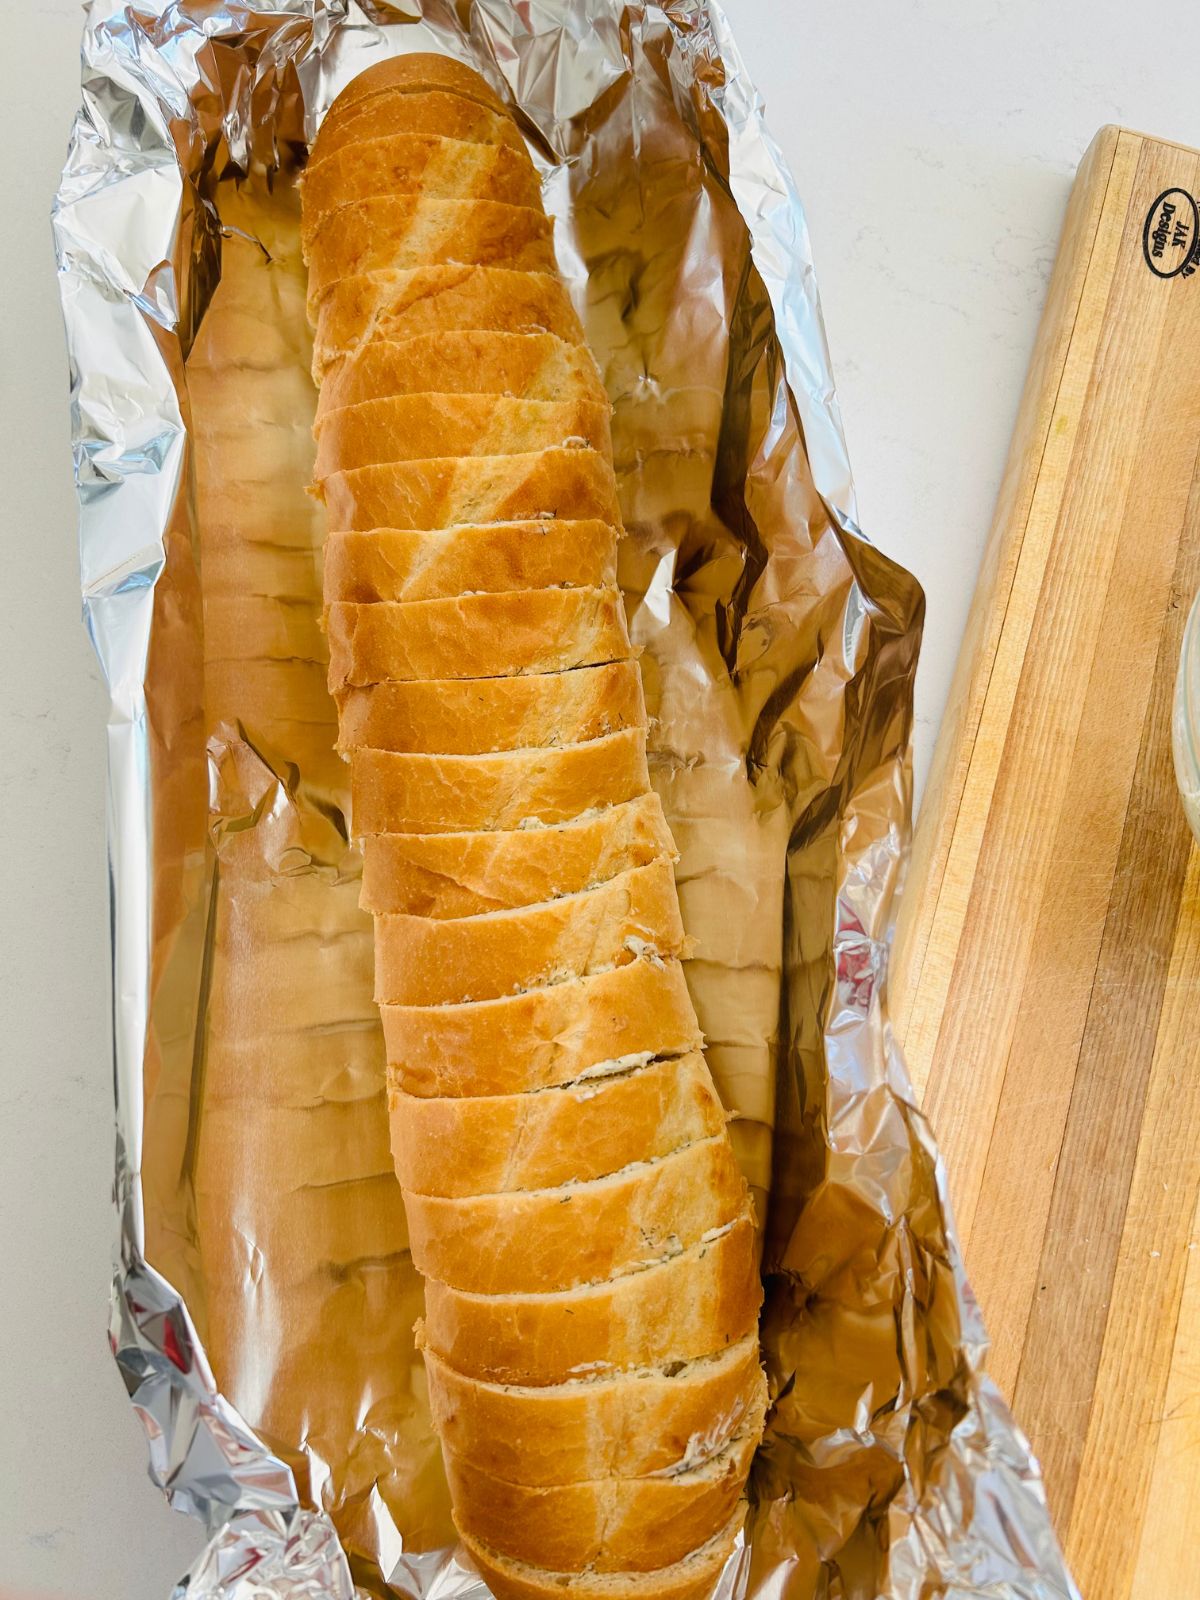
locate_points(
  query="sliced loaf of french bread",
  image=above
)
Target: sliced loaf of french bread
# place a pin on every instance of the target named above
(572, 1194)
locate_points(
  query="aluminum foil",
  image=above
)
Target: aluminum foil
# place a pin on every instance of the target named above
(263, 1298)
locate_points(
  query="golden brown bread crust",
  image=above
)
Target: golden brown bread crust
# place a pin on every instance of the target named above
(579, 1233)
(462, 874)
(397, 306)
(543, 1038)
(401, 792)
(412, 74)
(472, 716)
(403, 564)
(416, 427)
(650, 1420)
(475, 635)
(395, 232)
(574, 1198)
(575, 485)
(421, 111)
(408, 163)
(690, 1579)
(610, 1525)
(667, 1312)
(538, 366)
(490, 1144)
(421, 961)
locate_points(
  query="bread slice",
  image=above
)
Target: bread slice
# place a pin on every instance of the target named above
(411, 163)
(488, 716)
(420, 961)
(609, 1525)
(689, 1305)
(424, 111)
(416, 427)
(693, 1578)
(472, 716)
(462, 874)
(397, 231)
(438, 301)
(406, 75)
(403, 564)
(538, 1240)
(649, 1420)
(562, 484)
(493, 1144)
(395, 792)
(606, 1023)
(537, 366)
(475, 635)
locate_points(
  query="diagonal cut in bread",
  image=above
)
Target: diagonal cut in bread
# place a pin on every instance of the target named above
(420, 961)
(609, 1525)
(416, 427)
(536, 366)
(693, 1578)
(596, 1026)
(475, 635)
(455, 297)
(406, 230)
(533, 631)
(404, 75)
(420, 111)
(578, 1232)
(463, 874)
(474, 716)
(489, 558)
(665, 1312)
(565, 484)
(408, 163)
(460, 1145)
(403, 792)
(644, 1420)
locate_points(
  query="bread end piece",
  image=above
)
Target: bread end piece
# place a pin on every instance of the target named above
(691, 1579)
(412, 74)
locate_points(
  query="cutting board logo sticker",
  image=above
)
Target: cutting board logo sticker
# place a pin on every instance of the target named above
(1171, 236)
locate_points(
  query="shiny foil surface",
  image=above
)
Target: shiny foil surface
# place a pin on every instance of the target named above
(264, 1296)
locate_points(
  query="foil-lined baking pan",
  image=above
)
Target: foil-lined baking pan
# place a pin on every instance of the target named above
(263, 1299)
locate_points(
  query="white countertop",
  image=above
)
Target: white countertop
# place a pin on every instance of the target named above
(934, 144)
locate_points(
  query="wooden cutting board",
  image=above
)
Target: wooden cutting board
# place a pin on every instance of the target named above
(1046, 984)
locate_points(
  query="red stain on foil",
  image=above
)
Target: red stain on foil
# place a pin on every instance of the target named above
(171, 1349)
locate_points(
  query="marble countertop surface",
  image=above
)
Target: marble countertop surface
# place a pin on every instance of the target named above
(934, 144)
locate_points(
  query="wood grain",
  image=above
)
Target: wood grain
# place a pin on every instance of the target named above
(1046, 983)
